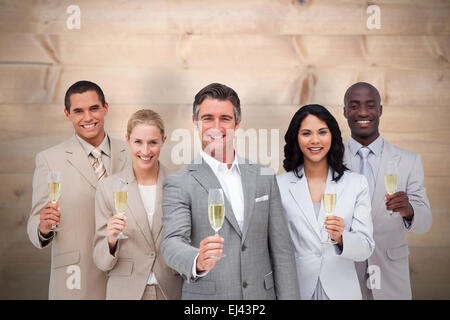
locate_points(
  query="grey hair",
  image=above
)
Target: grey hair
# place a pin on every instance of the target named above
(221, 92)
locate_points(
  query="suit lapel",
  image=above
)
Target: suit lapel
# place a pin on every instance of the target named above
(157, 216)
(118, 155)
(77, 157)
(208, 180)
(248, 179)
(136, 207)
(300, 192)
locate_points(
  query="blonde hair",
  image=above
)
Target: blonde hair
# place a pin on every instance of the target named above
(145, 116)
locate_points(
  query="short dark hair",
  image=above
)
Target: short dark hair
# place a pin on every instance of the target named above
(361, 84)
(81, 87)
(293, 156)
(217, 91)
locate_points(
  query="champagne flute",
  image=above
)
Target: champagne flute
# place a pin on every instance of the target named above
(329, 203)
(120, 201)
(54, 191)
(390, 182)
(216, 210)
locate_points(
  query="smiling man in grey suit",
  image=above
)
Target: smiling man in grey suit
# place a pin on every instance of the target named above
(88, 156)
(368, 153)
(254, 256)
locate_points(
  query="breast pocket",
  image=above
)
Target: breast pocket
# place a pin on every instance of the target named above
(268, 281)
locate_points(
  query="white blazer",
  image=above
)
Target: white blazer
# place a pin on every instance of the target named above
(336, 269)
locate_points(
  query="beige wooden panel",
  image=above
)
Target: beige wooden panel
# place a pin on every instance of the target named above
(199, 51)
(430, 291)
(24, 48)
(24, 269)
(262, 86)
(438, 189)
(226, 17)
(438, 235)
(429, 267)
(29, 129)
(146, 86)
(15, 191)
(409, 52)
(27, 83)
(24, 281)
(398, 87)
(152, 50)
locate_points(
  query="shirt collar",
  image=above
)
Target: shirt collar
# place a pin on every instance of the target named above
(376, 146)
(218, 166)
(104, 146)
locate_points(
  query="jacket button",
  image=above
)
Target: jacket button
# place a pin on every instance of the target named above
(244, 247)
(152, 254)
(244, 284)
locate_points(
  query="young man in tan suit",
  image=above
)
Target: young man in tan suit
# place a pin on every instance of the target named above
(84, 159)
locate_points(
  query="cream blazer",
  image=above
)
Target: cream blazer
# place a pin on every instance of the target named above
(73, 273)
(130, 266)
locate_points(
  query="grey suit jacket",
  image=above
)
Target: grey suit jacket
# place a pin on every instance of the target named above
(259, 262)
(390, 256)
(73, 245)
(130, 266)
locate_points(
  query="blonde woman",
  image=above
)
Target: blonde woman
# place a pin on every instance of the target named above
(135, 267)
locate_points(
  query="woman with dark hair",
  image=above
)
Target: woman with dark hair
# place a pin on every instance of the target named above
(327, 207)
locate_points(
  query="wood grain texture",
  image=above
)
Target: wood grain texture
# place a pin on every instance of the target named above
(210, 51)
(429, 272)
(227, 17)
(277, 54)
(261, 86)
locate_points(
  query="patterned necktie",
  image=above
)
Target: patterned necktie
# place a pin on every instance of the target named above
(99, 168)
(366, 168)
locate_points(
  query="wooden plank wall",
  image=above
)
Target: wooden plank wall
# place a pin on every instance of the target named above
(276, 54)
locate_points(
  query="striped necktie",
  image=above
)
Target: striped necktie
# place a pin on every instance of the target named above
(99, 167)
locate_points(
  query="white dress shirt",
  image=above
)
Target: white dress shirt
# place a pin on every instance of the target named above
(231, 183)
(148, 196)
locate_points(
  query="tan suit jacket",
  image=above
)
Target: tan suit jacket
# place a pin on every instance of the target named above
(130, 266)
(73, 272)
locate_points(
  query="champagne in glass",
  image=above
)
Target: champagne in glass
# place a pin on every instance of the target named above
(216, 210)
(54, 191)
(390, 182)
(120, 201)
(216, 215)
(329, 203)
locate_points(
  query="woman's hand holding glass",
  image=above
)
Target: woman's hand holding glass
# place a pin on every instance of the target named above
(115, 226)
(335, 225)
